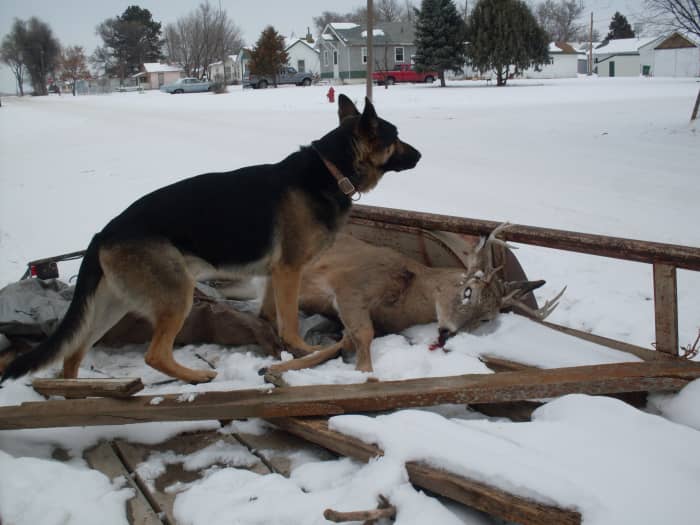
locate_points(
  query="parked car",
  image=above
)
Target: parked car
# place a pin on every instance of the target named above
(404, 73)
(187, 85)
(286, 75)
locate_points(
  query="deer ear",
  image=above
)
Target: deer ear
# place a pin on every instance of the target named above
(346, 108)
(524, 287)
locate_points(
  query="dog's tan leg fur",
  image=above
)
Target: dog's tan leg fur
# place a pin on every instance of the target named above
(72, 363)
(286, 282)
(151, 277)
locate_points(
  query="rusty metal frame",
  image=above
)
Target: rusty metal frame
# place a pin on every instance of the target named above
(665, 258)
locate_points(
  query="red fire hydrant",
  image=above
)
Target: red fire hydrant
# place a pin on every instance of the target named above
(331, 95)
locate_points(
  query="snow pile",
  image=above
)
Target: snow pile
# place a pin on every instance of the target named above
(36, 491)
(343, 485)
(595, 454)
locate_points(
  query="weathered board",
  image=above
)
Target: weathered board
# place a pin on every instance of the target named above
(468, 492)
(81, 388)
(367, 397)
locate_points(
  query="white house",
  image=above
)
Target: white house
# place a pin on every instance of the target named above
(153, 75)
(623, 57)
(236, 68)
(304, 56)
(677, 55)
(563, 63)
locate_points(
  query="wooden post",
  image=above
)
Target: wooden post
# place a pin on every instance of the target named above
(696, 107)
(590, 49)
(666, 308)
(370, 46)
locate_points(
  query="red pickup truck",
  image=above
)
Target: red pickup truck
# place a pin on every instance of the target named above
(404, 73)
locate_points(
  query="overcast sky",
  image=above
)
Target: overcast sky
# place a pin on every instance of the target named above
(74, 21)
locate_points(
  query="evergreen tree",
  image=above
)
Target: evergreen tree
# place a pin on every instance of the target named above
(41, 54)
(619, 28)
(268, 55)
(504, 34)
(131, 39)
(440, 35)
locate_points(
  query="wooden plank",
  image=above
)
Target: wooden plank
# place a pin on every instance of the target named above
(619, 248)
(80, 388)
(666, 308)
(342, 399)
(468, 492)
(645, 354)
(133, 454)
(103, 458)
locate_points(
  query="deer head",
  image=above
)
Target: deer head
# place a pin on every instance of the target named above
(466, 299)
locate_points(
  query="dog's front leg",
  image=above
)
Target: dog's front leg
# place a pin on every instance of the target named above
(286, 282)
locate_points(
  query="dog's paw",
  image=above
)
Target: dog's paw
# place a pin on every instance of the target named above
(201, 376)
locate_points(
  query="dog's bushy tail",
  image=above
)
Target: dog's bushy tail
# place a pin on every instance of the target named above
(69, 329)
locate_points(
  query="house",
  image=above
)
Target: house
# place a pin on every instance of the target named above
(153, 75)
(235, 69)
(343, 48)
(304, 56)
(224, 72)
(677, 55)
(623, 57)
(563, 63)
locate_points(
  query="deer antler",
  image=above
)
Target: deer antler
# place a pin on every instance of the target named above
(479, 258)
(541, 313)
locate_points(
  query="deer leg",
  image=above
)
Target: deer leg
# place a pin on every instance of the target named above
(358, 330)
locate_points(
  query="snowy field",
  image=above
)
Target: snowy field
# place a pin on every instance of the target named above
(610, 156)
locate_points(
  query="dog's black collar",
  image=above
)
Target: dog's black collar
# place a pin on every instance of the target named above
(344, 183)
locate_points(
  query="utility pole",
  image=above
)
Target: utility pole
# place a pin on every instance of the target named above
(590, 48)
(370, 46)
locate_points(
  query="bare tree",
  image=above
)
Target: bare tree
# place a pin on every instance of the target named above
(675, 15)
(389, 11)
(560, 20)
(11, 52)
(74, 65)
(202, 37)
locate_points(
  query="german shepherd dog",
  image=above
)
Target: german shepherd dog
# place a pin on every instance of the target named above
(270, 219)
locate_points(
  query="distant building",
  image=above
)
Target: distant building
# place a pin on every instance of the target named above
(343, 47)
(303, 56)
(677, 55)
(563, 63)
(153, 75)
(623, 57)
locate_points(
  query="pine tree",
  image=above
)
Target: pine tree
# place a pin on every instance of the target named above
(268, 55)
(619, 28)
(504, 34)
(131, 39)
(41, 54)
(440, 35)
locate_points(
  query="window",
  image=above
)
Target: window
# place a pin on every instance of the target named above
(364, 55)
(335, 58)
(325, 58)
(301, 65)
(398, 55)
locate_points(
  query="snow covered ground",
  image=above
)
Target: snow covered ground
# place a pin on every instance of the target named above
(610, 156)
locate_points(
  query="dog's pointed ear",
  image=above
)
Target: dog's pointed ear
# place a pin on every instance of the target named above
(346, 108)
(369, 119)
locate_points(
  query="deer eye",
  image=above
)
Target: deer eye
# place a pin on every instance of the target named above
(467, 295)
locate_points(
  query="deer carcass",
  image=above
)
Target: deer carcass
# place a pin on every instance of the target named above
(377, 290)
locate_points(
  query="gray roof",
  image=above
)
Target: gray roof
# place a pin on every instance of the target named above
(384, 33)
